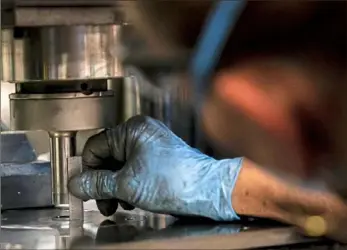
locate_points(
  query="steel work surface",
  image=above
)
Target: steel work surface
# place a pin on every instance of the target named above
(49, 229)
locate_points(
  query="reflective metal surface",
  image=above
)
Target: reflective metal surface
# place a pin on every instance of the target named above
(74, 167)
(63, 145)
(63, 112)
(59, 3)
(6, 89)
(49, 229)
(7, 54)
(69, 52)
(53, 16)
(280, 238)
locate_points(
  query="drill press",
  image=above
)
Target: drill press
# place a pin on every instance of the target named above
(66, 75)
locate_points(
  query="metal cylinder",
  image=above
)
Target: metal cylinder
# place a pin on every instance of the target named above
(69, 52)
(7, 54)
(62, 146)
(63, 112)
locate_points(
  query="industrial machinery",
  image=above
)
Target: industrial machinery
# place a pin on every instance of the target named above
(63, 64)
(61, 57)
(61, 74)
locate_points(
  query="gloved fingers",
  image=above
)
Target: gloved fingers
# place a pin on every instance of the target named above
(96, 150)
(94, 184)
(125, 205)
(107, 149)
(97, 154)
(117, 143)
(107, 207)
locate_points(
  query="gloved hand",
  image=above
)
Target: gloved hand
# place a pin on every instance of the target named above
(160, 173)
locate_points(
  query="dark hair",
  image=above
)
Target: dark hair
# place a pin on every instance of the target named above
(314, 28)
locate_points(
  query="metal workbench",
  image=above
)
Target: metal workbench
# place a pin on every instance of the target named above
(49, 229)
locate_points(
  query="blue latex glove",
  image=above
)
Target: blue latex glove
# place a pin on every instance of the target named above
(160, 172)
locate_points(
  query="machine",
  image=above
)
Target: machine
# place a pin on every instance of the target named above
(60, 58)
(64, 75)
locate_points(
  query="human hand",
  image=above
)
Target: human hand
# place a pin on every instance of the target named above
(160, 173)
(315, 213)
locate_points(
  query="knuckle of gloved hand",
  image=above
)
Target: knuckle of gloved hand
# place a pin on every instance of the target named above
(141, 122)
(137, 120)
(126, 189)
(75, 186)
(140, 127)
(95, 140)
(147, 127)
(131, 130)
(93, 185)
(106, 185)
(96, 145)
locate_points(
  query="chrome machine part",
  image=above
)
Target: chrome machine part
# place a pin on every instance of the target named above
(40, 106)
(65, 78)
(63, 146)
(7, 54)
(60, 53)
(71, 52)
(63, 112)
(6, 90)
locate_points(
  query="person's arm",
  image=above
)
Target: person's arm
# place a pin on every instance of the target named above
(154, 170)
(258, 193)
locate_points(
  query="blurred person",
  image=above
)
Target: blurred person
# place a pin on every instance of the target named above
(275, 95)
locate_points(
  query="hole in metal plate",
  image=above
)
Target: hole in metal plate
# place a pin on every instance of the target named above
(61, 218)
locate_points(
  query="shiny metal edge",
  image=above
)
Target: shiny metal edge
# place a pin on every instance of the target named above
(242, 240)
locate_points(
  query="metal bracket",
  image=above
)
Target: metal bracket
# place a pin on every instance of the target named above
(74, 166)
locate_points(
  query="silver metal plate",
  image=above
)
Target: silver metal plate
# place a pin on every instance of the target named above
(49, 229)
